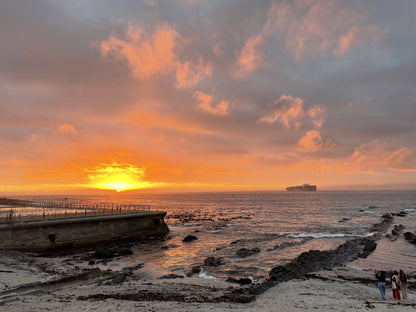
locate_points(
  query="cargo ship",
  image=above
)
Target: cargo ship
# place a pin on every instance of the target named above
(302, 188)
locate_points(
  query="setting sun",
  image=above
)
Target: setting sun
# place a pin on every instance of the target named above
(118, 177)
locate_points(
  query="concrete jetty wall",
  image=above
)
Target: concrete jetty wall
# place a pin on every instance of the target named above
(74, 232)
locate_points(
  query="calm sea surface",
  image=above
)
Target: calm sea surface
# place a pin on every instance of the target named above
(281, 224)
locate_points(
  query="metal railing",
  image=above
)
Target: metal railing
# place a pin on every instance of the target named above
(57, 210)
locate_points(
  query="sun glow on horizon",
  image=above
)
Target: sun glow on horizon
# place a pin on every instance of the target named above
(117, 177)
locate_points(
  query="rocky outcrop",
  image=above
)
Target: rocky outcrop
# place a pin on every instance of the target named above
(189, 238)
(383, 225)
(410, 237)
(315, 260)
(214, 262)
(244, 252)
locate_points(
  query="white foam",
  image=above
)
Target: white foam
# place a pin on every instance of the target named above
(204, 274)
(320, 235)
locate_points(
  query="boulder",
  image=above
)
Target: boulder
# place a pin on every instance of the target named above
(244, 252)
(103, 253)
(189, 238)
(410, 237)
(241, 281)
(213, 262)
(194, 270)
(119, 278)
(125, 252)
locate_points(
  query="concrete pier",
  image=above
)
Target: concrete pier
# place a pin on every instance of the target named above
(73, 232)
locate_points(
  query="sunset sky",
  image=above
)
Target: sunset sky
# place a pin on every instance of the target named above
(196, 95)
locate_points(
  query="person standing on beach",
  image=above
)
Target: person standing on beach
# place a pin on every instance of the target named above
(381, 277)
(403, 283)
(395, 285)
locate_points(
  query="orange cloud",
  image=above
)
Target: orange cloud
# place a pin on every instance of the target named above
(290, 112)
(250, 57)
(145, 54)
(205, 104)
(151, 54)
(67, 129)
(375, 155)
(189, 75)
(309, 28)
(312, 141)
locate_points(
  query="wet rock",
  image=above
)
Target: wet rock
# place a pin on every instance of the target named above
(241, 281)
(214, 262)
(194, 270)
(400, 214)
(289, 244)
(125, 252)
(387, 216)
(103, 253)
(91, 262)
(397, 229)
(118, 279)
(410, 237)
(244, 252)
(189, 238)
(171, 276)
(344, 219)
(315, 260)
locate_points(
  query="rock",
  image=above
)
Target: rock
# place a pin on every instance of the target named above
(125, 252)
(103, 253)
(244, 252)
(91, 262)
(241, 281)
(397, 229)
(194, 270)
(400, 214)
(189, 238)
(171, 276)
(214, 262)
(369, 245)
(387, 216)
(121, 277)
(410, 237)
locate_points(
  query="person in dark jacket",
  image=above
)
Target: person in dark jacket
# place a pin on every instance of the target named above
(403, 283)
(381, 277)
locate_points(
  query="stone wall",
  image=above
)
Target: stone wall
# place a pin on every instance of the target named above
(74, 232)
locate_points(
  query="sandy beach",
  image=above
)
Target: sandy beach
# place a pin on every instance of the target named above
(69, 283)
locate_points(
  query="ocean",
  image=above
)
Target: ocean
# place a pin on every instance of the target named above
(251, 232)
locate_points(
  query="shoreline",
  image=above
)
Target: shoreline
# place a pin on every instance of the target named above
(50, 284)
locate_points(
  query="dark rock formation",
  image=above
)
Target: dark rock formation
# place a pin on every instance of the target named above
(214, 262)
(244, 252)
(397, 229)
(171, 276)
(241, 281)
(289, 244)
(189, 238)
(410, 237)
(383, 225)
(315, 260)
(103, 253)
(194, 270)
(119, 278)
(400, 214)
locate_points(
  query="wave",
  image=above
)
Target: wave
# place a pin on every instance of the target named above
(322, 235)
(370, 207)
(204, 274)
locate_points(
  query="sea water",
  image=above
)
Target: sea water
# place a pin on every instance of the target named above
(274, 226)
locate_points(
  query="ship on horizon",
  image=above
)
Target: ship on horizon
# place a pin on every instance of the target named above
(302, 188)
